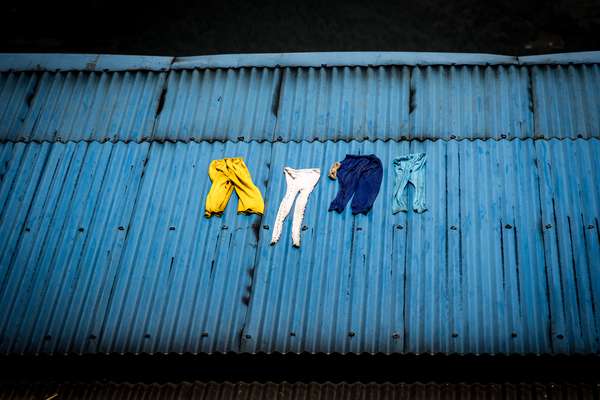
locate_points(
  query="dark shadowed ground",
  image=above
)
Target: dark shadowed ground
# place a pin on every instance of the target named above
(235, 26)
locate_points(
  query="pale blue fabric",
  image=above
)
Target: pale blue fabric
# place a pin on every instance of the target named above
(409, 168)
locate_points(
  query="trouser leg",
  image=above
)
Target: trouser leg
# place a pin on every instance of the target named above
(220, 190)
(307, 187)
(284, 207)
(369, 183)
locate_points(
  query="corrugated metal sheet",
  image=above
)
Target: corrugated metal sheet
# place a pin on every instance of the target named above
(471, 102)
(240, 390)
(73, 106)
(473, 274)
(106, 250)
(343, 103)
(219, 104)
(292, 104)
(567, 101)
(99, 258)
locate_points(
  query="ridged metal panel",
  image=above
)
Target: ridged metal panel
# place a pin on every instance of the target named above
(457, 278)
(567, 100)
(184, 282)
(293, 104)
(111, 252)
(241, 390)
(62, 256)
(16, 94)
(471, 102)
(73, 106)
(570, 210)
(343, 103)
(221, 104)
(106, 250)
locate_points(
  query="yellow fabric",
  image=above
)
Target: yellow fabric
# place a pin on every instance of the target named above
(228, 174)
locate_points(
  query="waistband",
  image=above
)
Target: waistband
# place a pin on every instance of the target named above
(363, 156)
(305, 171)
(415, 157)
(302, 170)
(230, 159)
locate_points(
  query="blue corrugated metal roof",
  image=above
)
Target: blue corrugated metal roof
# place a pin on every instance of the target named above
(222, 104)
(293, 104)
(73, 106)
(343, 104)
(106, 250)
(471, 102)
(567, 101)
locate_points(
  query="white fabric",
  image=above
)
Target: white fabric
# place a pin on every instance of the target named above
(298, 181)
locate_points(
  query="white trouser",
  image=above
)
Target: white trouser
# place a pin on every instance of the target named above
(298, 181)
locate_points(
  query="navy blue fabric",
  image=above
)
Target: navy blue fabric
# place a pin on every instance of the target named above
(359, 176)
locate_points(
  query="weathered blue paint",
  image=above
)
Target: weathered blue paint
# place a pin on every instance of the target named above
(339, 59)
(581, 57)
(295, 104)
(504, 261)
(103, 179)
(222, 104)
(343, 104)
(471, 102)
(567, 100)
(10, 62)
(103, 62)
(73, 106)
(302, 104)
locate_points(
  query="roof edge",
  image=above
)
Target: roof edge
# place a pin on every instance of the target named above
(582, 57)
(108, 62)
(339, 59)
(81, 62)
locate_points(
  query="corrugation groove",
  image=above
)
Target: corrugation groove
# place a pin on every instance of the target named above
(230, 390)
(105, 250)
(567, 100)
(303, 104)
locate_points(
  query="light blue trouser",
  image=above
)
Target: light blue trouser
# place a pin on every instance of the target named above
(409, 168)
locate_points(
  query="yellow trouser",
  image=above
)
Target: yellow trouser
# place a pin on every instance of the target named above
(228, 174)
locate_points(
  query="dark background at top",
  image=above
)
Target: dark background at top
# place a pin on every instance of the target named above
(235, 26)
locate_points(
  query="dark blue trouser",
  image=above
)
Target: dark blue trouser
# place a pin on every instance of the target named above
(359, 176)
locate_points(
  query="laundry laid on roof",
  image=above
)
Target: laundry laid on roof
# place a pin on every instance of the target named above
(409, 168)
(227, 175)
(300, 184)
(360, 178)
